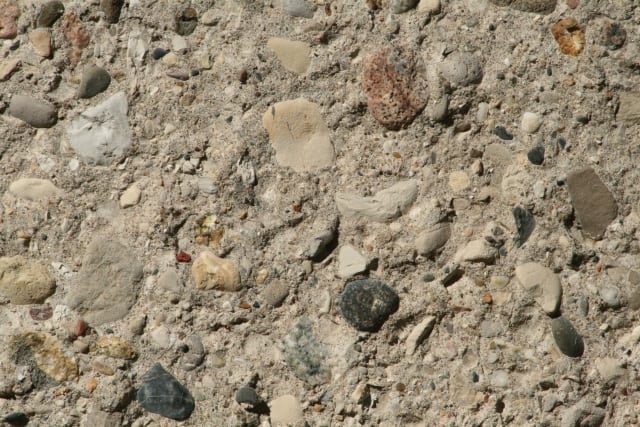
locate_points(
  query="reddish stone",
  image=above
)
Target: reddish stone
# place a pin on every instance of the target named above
(41, 313)
(9, 14)
(77, 35)
(80, 328)
(395, 86)
(182, 256)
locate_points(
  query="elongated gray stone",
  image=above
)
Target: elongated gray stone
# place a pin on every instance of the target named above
(38, 114)
(566, 337)
(385, 205)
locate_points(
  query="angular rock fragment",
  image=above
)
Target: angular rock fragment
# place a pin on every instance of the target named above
(594, 204)
(212, 272)
(294, 55)
(535, 6)
(542, 284)
(25, 282)
(304, 354)
(385, 205)
(569, 35)
(162, 394)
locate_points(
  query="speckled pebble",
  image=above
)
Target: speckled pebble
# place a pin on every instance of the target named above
(367, 303)
(566, 337)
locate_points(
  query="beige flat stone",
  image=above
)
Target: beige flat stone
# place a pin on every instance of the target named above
(294, 56)
(212, 272)
(40, 39)
(34, 189)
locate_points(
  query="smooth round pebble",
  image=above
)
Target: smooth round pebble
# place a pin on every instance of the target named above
(37, 113)
(502, 133)
(531, 122)
(461, 68)
(566, 337)
(49, 13)
(94, 80)
(367, 303)
(611, 297)
(158, 52)
(536, 155)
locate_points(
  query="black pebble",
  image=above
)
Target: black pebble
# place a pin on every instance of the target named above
(49, 13)
(536, 155)
(16, 419)
(615, 36)
(162, 394)
(525, 223)
(502, 133)
(248, 395)
(158, 53)
(367, 303)
(566, 337)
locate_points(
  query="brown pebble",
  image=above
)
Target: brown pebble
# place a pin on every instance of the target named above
(487, 298)
(569, 35)
(91, 384)
(9, 14)
(572, 3)
(244, 304)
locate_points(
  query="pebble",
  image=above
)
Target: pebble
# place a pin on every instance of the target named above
(285, 410)
(629, 108)
(101, 135)
(247, 395)
(169, 281)
(395, 86)
(137, 324)
(113, 346)
(9, 13)
(525, 224)
(40, 39)
(433, 239)
(182, 75)
(367, 303)
(16, 419)
(534, 6)
(194, 354)
(462, 69)
(299, 135)
(111, 9)
(77, 34)
(161, 336)
(594, 205)
(49, 13)
(566, 337)
(294, 55)
(7, 68)
(499, 379)
(418, 334)
(569, 35)
(383, 206)
(402, 6)
(531, 122)
(583, 414)
(323, 244)
(502, 133)
(158, 53)
(37, 113)
(44, 351)
(490, 329)
(476, 251)
(94, 80)
(130, 197)
(430, 6)
(610, 369)
(275, 293)
(34, 189)
(614, 36)
(107, 283)
(25, 282)
(160, 393)
(212, 272)
(542, 284)
(298, 8)
(186, 21)
(459, 181)
(304, 355)
(611, 297)
(536, 155)
(210, 18)
(350, 262)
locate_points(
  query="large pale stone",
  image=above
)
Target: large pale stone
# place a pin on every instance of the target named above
(34, 189)
(434, 238)
(542, 284)
(25, 282)
(385, 205)
(299, 135)
(45, 352)
(294, 55)
(212, 272)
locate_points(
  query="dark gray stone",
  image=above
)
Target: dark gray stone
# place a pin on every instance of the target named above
(566, 337)
(248, 395)
(158, 52)
(594, 205)
(535, 6)
(367, 303)
(614, 36)
(49, 13)
(502, 133)
(525, 224)
(94, 80)
(536, 155)
(186, 21)
(37, 113)
(111, 9)
(162, 394)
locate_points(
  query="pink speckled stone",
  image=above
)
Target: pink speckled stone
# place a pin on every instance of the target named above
(9, 14)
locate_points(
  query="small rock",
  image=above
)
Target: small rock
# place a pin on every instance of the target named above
(366, 304)
(298, 8)
(476, 251)
(210, 18)
(350, 262)
(9, 14)
(247, 395)
(566, 337)
(186, 21)
(418, 334)
(77, 34)
(50, 12)
(16, 419)
(94, 80)
(525, 224)
(275, 293)
(614, 36)
(499, 379)
(101, 134)
(594, 205)
(25, 282)
(531, 122)
(130, 197)
(116, 347)
(169, 281)
(534, 6)
(542, 284)
(304, 355)
(137, 324)
(160, 393)
(536, 155)
(583, 414)
(490, 329)
(322, 244)
(395, 86)
(502, 133)
(285, 410)
(384, 206)
(32, 111)
(212, 272)
(402, 6)
(44, 351)
(34, 189)
(629, 109)
(7, 68)
(158, 52)
(550, 402)
(299, 135)
(610, 369)
(569, 35)
(194, 354)
(294, 55)
(462, 69)
(611, 297)
(111, 9)
(430, 6)
(431, 240)
(40, 39)
(459, 181)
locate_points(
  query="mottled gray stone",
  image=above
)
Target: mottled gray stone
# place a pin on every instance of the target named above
(594, 205)
(367, 303)
(162, 394)
(535, 6)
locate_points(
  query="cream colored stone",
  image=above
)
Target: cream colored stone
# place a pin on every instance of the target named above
(34, 189)
(40, 39)
(299, 135)
(459, 181)
(130, 197)
(212, 272)
(285, 410)
(295, 56)
(25, 282)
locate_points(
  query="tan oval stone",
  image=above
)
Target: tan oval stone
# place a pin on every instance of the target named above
(25, 282)
(212, 272)
(115, 347)
(40, 39)
(295, 56)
